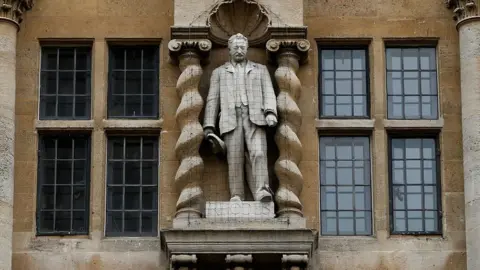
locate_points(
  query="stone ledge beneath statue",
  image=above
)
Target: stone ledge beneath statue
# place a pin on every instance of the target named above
(301, 241)
(232, 223)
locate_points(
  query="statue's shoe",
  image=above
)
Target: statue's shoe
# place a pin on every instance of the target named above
(236, 199)
(263, 196)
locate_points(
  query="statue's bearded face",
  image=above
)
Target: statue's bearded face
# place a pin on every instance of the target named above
(238, 50)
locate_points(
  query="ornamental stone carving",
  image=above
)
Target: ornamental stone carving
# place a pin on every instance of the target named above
(248, 17)
(189, 54)
(288, 54)
(463, 9)
(13, 10)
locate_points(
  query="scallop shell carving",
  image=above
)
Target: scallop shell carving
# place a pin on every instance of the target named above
(247, 17)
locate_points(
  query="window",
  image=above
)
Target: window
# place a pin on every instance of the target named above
(133, 85)
(65, 83)
(344, 83)
(63, 185)
(412, 83)
(132, 181)
(414, 190)
(345, 186)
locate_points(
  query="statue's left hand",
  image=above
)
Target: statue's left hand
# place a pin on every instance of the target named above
(271, 120)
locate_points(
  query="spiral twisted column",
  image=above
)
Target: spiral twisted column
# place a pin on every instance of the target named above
(189, 55)
(288, 54)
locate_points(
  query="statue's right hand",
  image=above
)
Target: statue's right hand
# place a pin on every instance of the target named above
(207, 131)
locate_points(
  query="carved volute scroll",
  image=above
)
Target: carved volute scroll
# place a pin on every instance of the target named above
(13, 9)
(463, 9)
(288, 54)
(189, 54)
(248, 17)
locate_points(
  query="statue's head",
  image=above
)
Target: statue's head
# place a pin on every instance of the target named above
(238, 46)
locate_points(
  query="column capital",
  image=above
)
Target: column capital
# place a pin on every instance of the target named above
(199, 47)
(13, 10)
(300, 47)
(463, 10)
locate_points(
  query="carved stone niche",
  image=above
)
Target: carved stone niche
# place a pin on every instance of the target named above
(239, 16)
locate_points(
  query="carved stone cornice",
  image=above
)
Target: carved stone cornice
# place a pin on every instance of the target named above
(179, 47)
(13, 10)
(463, 9)
(298, 47)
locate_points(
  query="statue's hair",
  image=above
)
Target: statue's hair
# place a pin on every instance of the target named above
(235, 37)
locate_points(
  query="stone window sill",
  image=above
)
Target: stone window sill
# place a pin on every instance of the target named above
(133, 124)
(344, 124)
(413, 124)
(56, 125)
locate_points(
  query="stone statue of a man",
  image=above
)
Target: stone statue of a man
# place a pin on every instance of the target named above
(243, 93)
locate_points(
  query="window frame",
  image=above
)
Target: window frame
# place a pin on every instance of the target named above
(438, 184)
(88, 72)
(107, 231)
(156, 70)
(413, 45)
(40, 181)
(365, 48)
(370, 185)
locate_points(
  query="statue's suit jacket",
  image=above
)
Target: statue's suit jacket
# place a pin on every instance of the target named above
(259, 90)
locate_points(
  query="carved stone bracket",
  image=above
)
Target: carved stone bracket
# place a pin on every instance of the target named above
(288, 54)
(294, 262)
(183, 262)
(239, 262)
(189, 54)
(13, 10)
(463, 9)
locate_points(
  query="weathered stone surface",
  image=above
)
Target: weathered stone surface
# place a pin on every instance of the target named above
(246, 209)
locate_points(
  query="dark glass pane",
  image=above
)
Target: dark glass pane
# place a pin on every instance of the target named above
(115, 198)
(64, 172)
(149, 222)
(49, 58)
(149, 82)
(118, 82)
(115, 172)
(394, 59)
(343, 59)
(149, 103)
(327, 59)
(410, 59)
(63, 197)
(134, 58)
(132, 198)
(427, 59)
(114, 222)
(116, 150)
(132, 173)
(82, 83)
(48, 197)
(64, 148)
(149, 198)
(80, 148)
(149, 58)
(149, 149)
(82, 108)
(345, 223)
(400, 221)
(117, 107)
(149, 173)
(48, 148)
(134, 82)
(48, 83)
(133, 148)
(65, 106)
(83, 59)
(118, 58)
(133, 106)
(46, 221)
(65, 82)
(329, 223)
(358, 59)
(48, 172)
(132, 222)
(79, 221)
(79, 173)
(66, 58)
(48, 107)
(79, 197)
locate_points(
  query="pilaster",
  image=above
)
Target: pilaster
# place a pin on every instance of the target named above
(289, 54)
(466, 14)
(189, 54)
(11, 12)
